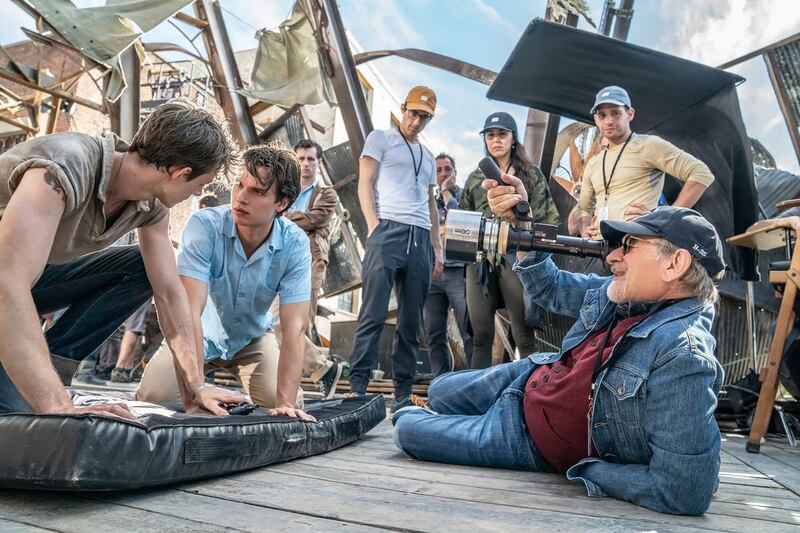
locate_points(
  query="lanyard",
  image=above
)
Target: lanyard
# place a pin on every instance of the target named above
(414, 159)
(607, 184)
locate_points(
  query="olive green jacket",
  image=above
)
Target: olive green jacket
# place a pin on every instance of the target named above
(543, 210)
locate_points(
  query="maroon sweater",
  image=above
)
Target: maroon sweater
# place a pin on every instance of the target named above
(556, 403)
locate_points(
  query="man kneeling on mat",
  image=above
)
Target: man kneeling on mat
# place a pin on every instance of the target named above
(626, 408)
(233, 260)
(64, 200)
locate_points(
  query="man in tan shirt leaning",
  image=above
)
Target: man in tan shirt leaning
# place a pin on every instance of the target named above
(626, 179)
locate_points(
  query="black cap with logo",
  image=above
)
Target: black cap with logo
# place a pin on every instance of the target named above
(685, 228)
(501, 121)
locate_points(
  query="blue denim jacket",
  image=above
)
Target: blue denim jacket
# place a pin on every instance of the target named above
(652, 420)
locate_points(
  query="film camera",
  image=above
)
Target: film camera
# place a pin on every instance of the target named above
(468, 236)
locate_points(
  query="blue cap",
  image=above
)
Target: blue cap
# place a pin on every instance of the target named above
(611, 95)
(683, 227)
(500, 121)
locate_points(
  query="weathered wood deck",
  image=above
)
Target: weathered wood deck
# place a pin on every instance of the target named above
(370, 486)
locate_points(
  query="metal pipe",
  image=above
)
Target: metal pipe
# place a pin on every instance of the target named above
(347, 69)
(623, 20)
(129, 101)
(607, 20)
(750, 323)
(223, 64)
(534, 135)
(784, 100)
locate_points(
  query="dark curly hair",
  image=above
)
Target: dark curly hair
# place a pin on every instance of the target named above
(274, 164)
(308, 144)
(180, 134)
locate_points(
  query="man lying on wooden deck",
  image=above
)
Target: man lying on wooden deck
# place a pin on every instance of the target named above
(626, 408)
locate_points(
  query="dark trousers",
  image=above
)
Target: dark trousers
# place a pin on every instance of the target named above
(446, 292)
(505, 291)
(99, 291)
(396, 255)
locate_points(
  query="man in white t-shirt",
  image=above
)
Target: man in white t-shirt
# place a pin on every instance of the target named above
(403, 249)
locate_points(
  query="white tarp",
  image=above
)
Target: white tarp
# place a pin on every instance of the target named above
(103, 32)
(287, 69)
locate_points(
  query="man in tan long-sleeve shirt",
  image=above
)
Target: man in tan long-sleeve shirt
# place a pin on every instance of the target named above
(626, 179)
(312, 211)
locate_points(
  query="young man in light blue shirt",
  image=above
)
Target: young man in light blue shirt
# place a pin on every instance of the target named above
(233, 261)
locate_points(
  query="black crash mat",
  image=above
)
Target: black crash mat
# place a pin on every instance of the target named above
(90, 452)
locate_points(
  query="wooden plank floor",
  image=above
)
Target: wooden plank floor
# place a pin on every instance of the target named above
(370, 486)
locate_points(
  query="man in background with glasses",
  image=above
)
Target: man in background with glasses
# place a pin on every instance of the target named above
(403, 249)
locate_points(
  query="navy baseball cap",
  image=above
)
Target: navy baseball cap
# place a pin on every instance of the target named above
(611, 95)
(501, 121)
(685, 228)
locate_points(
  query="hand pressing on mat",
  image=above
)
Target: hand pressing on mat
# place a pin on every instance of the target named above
(292, 412)
(210, 399)
(114, 410)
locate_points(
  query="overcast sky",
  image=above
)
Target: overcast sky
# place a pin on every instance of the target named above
(484, 32)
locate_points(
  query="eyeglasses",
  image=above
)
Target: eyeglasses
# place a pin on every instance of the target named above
(627, 240)
(423, 117)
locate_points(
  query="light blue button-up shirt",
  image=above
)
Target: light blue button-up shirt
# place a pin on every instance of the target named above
(303, 199)
(241, 290)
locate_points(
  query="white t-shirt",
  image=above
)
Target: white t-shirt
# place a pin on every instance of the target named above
(400, 194)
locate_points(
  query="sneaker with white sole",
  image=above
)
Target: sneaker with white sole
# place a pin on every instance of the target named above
(327, 383)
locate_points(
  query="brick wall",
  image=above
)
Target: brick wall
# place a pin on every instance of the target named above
(60, 63)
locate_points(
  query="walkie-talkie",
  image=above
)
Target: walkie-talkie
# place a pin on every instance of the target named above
(492, 171)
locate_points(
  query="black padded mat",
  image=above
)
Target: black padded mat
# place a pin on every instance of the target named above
(90, 452)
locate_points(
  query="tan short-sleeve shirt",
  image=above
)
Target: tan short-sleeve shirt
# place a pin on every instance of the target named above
(82, 164)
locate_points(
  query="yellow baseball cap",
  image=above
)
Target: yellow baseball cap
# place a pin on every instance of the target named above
(421, 98)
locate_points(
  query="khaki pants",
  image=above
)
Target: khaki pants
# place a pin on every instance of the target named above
(315, 364)
(318, 271)
(255, 367)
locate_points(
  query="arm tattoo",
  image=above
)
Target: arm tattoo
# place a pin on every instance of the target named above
(53, 182)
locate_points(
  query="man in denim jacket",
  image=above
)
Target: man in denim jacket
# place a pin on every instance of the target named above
(626, 407)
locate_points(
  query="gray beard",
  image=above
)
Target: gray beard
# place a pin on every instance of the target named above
(614, 293)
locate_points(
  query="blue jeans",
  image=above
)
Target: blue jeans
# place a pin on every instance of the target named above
(478, 421)
(100, 291)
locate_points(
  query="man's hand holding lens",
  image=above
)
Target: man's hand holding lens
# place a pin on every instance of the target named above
(503, 198)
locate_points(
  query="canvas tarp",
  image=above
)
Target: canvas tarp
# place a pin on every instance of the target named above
(559, 69)
(287, 69)
(103, 32)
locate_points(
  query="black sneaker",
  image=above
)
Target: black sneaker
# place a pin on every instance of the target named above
(327, 383)
(121, 375)
(89, 379)
(103, 375)
(400, 402)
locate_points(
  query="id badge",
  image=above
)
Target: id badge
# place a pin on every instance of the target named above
(603, 214)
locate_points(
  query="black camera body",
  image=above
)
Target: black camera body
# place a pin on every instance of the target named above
(469, 237)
